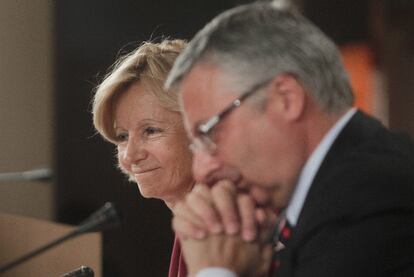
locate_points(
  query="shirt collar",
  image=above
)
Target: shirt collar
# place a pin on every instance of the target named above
(312, 166)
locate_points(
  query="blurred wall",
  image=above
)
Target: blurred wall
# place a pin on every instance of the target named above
(394, 36)
(25, 103)
(384, 27)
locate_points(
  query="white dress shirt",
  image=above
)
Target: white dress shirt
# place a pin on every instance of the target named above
(312, 166)
(302, 187)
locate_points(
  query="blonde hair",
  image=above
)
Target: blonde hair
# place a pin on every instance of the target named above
(150, 64)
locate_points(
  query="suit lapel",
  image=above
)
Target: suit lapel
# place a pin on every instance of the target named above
(317, 208)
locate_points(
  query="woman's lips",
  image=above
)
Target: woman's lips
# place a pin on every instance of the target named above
(143, 171)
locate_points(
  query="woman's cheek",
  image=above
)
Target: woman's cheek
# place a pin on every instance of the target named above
(121, 163)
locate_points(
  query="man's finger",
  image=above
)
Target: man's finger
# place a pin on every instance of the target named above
(182, 210)
(224, 197)
(186, 230)
(201, 204)
(248, 218)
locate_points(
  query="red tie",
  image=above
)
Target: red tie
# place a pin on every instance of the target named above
(280, 242)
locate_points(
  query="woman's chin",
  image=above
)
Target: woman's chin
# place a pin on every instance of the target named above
(149, 192)
(169, 199)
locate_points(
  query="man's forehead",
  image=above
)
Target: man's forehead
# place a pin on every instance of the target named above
(204, 91)
(195, 97)
(202, 77)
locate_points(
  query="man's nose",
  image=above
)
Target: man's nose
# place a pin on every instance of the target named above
(204, 166)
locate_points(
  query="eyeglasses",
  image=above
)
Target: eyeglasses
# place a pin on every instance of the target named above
(202, 139)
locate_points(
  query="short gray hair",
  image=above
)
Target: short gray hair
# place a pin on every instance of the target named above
(261, 40)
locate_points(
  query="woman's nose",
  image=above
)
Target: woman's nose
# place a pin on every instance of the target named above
(133, 151)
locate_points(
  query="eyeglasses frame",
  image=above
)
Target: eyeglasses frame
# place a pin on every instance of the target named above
(203, 130)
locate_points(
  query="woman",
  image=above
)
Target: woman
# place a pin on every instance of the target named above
(131, 110)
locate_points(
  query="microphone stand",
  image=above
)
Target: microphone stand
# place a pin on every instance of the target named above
(104, 218)
(40, 174)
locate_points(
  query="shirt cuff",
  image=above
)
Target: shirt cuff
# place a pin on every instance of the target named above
(215, 272)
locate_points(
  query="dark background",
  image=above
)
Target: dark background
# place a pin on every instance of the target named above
(90, 35)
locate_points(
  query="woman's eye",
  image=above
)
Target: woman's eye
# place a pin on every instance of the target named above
(121, 137)
(152, 131)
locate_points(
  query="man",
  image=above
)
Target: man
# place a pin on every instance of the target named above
(268, 106)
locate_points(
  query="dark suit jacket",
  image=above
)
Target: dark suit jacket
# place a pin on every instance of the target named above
(358, 218)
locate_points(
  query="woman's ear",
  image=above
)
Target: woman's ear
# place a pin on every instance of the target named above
(286, 97)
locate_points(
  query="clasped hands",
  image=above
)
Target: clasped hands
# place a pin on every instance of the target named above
(221, 227)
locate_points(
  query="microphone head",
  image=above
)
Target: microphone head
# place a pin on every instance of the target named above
(83, 271)
(104, 218)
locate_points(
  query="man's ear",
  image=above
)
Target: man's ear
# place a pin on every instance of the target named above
(286, 97)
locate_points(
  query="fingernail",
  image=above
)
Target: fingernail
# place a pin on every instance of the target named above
(249, 235)
(216, 228)
(232, 228)
(199, 234)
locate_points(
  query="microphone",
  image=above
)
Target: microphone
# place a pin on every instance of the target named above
(104, 218)
(83, 271)
(40, 174)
